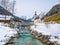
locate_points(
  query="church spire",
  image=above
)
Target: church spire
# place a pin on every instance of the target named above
(36, 16)
(35, 13)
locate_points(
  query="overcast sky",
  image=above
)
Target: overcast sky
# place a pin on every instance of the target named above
(28, 7)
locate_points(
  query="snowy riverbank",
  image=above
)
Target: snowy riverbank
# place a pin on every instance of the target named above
(6, 33)
(48, 29)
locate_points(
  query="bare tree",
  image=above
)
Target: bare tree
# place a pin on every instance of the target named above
(8, 5)
(12, 6)
(41, 14)
(5, 3)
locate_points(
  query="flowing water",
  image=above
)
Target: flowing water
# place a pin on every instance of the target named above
(26, 38)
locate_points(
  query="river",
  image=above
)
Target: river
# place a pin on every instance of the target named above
(26, 38)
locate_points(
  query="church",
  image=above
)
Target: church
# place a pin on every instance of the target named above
(37, 18)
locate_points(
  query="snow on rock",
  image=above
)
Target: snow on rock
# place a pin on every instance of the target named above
(48, 29)
(6, 33)
(52, 39)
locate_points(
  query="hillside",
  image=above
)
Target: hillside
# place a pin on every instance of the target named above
(55, 9)
(55, 17)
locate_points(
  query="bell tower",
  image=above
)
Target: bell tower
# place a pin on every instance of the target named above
(35, 15)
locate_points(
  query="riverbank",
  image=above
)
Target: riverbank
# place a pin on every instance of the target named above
(7, 33)
(49, 34)
(26, 38)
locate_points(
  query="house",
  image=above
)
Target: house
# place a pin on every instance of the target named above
(5, 15)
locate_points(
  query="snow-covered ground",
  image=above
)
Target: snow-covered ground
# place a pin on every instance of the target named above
(6, 33)
(48, 29)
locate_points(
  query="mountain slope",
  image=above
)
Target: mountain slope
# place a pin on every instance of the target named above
(55, 9)
(55, 17)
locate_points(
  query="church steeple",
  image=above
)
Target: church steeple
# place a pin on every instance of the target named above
(36, 16)
(35, 13)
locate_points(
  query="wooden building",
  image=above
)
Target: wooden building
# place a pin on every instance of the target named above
(5, 15)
